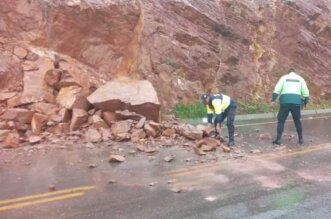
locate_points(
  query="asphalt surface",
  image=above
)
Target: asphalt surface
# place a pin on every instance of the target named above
(290, 181)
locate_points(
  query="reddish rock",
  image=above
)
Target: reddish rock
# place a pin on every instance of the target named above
(265, 136)
(29, 66)
(18, 115)
(44, 108)
(109, 117)
(64, 115)
(79, 117)
(199, 152)
(105, 134)
(12, 140)
(126, 114)
(61, 128)
(150, 131)
(92, 135)
(52, 77)
(141, 123)
(169, 132)
(136, 96)
(72, 97)
(7, 95)
(4, 133)
(226, 149)
(33, 139)
(193, 134)
(34, 84)
(137, 134)
(212, 142)
(116, 158)
(98, 122)
(4, 125)
(122, 137)
(20, 52)
(37, 123)
(121, 127)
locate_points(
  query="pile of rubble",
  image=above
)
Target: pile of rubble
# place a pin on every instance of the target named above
(57, 99)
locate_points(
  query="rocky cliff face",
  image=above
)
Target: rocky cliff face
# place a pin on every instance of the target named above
(181, 46)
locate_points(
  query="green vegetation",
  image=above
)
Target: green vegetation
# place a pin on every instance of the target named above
(197, 110)
(188, 111)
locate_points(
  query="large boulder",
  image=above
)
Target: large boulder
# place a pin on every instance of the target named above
(121, 94)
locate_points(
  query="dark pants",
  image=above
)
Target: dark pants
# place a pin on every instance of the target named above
(284, 110)
(229, 113)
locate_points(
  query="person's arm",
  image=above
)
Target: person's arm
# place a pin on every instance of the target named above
(210, 113)
(278, 89)
(304, 92)
(218, 115)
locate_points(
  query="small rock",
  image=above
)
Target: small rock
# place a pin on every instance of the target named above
(168, 158)
(199, 152)
(92, 165)
(152, 184)
(111, 181)
(176, 190)
(171, 181)
(226, 149)
(51, 187)
(116, 158)
(256, 151)
(132, 152)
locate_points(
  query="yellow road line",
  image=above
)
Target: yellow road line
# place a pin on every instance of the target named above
(42, 195)
(24, 204)
(272, 155)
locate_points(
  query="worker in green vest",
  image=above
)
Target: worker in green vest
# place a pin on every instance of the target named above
(223, 107)
(292, 91)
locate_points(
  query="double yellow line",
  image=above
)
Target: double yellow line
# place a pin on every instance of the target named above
(43, 198)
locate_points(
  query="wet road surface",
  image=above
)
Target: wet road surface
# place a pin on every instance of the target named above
(294, 182)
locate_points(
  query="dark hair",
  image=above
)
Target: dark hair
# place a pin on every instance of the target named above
(291, 70)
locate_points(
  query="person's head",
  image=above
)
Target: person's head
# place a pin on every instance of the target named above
(205, 98)
(291, 70)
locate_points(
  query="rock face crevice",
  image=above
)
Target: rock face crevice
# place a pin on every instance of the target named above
(182, 47)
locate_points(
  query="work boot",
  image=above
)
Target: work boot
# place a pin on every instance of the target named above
(301, 141)
(231, 143)
(277, 141)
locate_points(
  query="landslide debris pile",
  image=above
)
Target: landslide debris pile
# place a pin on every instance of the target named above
(56, 100)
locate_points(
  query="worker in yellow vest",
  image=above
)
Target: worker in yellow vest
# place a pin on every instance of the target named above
(292, 91)
(223, 107)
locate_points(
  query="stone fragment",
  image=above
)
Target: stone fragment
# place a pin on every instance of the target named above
(19, 115)
(120, 94)
(79, 117)
(6, 95)
(37, 123)
(98, 122)
(169, 132)
(265, 136)
(92, 135)
(4, 133)
(168, 158)
(44, 108)
(109, 117)
(209, 142)
(121, 127)
(137, 135)
(150, 131)
(52, 77)
(105, 134)
(255, 151)
(12, 140)
(72, 97)
(60, 128)
(199, 152)
(116, 158)
(193, 134)
(126, 114)
(33, 139)
(20, 52)
(226, 149)
(141, 123)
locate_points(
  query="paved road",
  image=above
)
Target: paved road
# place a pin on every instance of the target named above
(289, 183)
